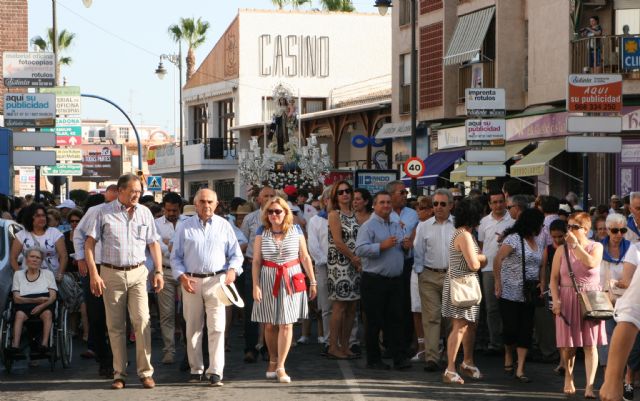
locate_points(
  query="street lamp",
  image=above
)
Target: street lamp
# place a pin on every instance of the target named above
(383, 6)
(175, 59)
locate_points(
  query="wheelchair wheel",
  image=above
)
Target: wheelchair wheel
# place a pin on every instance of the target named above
(5, 339)
(64, 342)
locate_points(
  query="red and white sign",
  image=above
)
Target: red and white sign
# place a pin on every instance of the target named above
(414, 167)
(594, 93)
(68, 140)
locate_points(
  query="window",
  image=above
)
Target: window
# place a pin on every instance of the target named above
(405, 12)
(123, 133)
(405, 82)
(629, 17)
(225, 122)
(225, 189)
(199, 123)
(312, 105)
(197, 185)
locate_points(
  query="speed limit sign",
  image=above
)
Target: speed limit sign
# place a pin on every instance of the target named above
(414, 167)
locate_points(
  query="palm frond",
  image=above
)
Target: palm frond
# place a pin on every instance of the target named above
(40, 43)
(65, 61)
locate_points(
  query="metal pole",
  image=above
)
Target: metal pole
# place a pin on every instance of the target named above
(182, 187)
(585, 182)
(414, 93)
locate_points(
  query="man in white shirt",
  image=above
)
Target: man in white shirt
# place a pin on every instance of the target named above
(166, 226)
(633, 234)
(431, 261)
(489, 232)
(318, 244)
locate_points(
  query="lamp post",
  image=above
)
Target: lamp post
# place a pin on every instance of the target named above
(175, 59)
(383, 6)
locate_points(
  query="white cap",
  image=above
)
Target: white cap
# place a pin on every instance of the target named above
(68, 203)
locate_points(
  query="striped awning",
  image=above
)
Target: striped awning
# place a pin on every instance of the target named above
(535, 162)
(468, 36)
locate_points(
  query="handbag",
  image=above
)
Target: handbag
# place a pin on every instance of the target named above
(594, 305)
(299, 282)
(530, 288)
(464, 290)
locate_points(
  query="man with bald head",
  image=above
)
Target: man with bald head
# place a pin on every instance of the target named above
(204, 248)
(249, 226)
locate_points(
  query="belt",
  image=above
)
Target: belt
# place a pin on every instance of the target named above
(280, 274)
(121, 268)
(204, 275)
(435, 270)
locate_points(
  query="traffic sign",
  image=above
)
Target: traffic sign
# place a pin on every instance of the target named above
(154, 183)
(62, 169)
(414, 167)
(68, 131)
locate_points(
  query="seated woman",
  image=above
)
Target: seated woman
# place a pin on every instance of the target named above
(34, 292)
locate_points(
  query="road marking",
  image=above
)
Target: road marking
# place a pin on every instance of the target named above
(350, 379)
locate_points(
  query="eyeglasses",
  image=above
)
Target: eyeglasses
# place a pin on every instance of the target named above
(622, 230)
(277, 212)
(344, 191)
(74, 221)
(573, 227)
(443, 204)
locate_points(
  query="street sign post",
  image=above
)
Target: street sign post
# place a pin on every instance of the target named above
(594, 144)
(68, 100)
(414, 167)
(486, 170)
(28, 69)
(154, 183)
(68, 155)
(497, 155)
(34, 158)
(582, 124)
(68, 131)
(486, 132)
(485, 102)
(34, 139)
(62, 169)
(29, 110)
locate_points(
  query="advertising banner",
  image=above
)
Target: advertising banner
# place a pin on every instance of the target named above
(29, 110)
(100, 162)
(485, 102)
(630, 53)
(68, 131)
(375, 180)
(594, 93)
(28, 70)
(68, 99)
(486, 132)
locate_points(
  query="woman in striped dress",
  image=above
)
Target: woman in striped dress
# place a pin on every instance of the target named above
(464, 259)
(279, 250)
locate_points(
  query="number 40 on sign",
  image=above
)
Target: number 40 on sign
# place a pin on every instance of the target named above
(414, 167)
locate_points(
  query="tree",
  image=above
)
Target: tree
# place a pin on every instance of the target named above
(294, 3)
(193, 32)
(65, 38)
(337, 5)
(280, 3)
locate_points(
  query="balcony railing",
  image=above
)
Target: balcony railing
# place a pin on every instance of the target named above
(220, 148)
(405, 99)
(601, 54)
(477, 75)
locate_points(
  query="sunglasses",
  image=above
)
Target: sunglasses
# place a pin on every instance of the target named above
(573, 227)
(344, 191)
(622, 230)
(443, 204)
(277, 212)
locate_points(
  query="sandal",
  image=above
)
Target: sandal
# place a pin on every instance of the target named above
(284, 378)
(271, 375)
(470, 371)
(522, 378)
(451, 377)
(508, 370)
(418, 357)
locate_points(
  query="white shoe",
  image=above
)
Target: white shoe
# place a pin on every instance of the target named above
(418, 357)
(270, 375)
(303, 340)
(284, 378)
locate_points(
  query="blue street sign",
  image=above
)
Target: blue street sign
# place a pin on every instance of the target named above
(154, 183)
(630, 53)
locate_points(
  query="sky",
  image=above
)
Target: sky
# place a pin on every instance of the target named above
(118, 45)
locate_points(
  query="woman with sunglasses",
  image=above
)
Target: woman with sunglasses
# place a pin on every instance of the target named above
(280, 298)
(343, 270)
(615, 248)
(572, 331)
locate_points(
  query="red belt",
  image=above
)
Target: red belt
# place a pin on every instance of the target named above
(280, 274)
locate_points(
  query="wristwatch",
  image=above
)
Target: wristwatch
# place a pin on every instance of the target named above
(158, 272)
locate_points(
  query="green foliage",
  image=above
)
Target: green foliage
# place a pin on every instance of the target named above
(65, 38)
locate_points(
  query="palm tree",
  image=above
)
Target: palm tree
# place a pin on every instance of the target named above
(297, 3)
(194, 33)
(280, 3)
(337, 5)
(63, 43)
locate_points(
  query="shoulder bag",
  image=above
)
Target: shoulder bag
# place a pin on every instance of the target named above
(465, 290)
(594, 305)
(530, 288)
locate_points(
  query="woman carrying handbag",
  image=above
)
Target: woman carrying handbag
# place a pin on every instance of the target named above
(582, 257)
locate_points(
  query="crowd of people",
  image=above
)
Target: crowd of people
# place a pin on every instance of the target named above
(411, 280)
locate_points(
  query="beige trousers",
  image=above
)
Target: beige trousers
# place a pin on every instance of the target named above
(194, 308)
(430, 286)
(167, 308)
(127, 290)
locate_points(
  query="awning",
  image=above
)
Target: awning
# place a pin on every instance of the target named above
(435, 164)
(460, 173)
(534, 163)
(468, 36)
(394, 130)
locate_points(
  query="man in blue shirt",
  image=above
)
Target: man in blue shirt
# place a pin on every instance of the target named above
(204, 247)
(381, 245)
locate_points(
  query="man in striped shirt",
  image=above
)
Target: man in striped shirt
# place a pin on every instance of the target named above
(125, 229)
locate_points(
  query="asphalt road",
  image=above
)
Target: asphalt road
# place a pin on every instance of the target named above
(313, 378)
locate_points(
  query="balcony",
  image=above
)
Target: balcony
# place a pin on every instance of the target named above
(602, 54)
(199, 155)
(476, 75)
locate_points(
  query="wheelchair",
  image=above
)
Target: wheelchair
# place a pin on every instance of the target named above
(60, 338)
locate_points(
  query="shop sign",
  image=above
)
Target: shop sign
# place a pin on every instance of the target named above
(375, 180)
(68, 99)
(28, 69)
(68, 155)
(486, 132)
(485, 102)
(29, 110)
(529, 170)
(594, 93)
(630, 53)
(452, 138)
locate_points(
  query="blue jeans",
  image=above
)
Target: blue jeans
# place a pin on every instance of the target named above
(603, 350)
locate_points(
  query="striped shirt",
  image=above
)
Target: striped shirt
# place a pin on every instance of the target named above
(124, 239)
